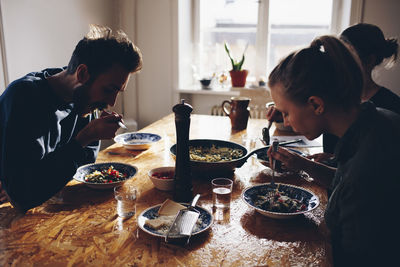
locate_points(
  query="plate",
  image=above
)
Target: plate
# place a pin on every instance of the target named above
(137, 141)
(151, 213)
(308, 198)
(121, 167)
(219, 167)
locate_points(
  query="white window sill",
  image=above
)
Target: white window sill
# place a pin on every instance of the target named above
(223, 91)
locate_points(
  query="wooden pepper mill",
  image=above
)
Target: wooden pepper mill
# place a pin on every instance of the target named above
(183, 191)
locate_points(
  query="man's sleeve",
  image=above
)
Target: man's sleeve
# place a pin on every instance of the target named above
(32, 173)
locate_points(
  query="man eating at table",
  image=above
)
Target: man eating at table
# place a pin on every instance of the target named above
(47, 129)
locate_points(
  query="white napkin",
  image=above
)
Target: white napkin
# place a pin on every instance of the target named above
(304, 143)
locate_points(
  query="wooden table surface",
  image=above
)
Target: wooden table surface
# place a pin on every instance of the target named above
(83, 229)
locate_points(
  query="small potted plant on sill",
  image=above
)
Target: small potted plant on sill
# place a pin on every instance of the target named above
(238, 76)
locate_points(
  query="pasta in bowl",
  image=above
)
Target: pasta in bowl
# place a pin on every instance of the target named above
(280, 201)
(211, 155)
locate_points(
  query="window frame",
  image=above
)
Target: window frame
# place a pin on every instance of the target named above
(344, 13)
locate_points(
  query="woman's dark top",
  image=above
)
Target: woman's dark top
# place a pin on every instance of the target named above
(384, 98)
(362, 209)
(38, 152)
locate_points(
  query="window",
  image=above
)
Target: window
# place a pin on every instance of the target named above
(3, 65)
(267, 30)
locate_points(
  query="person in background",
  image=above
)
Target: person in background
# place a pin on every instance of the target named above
(318, 90)
(372, 48)
(46, 127)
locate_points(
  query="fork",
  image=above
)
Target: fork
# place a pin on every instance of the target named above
(275, 145)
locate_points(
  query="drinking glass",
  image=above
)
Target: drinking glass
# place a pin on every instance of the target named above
(221, 192)
(126, 200)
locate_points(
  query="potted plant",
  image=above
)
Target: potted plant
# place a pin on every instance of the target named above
(238, 76)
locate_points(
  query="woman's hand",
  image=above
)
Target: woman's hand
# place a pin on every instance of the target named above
(104, 127)
(274, 114)
(292, 160)
(321, 157)
(295, 162)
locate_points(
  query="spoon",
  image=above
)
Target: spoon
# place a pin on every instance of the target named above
(97, 113)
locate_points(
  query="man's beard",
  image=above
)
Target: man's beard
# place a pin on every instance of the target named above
(81, 101)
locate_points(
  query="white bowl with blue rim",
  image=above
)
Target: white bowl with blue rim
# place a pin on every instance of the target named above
(251, 196)
(129, 170)
(137, 141)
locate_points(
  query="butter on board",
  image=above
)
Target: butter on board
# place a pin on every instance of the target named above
(169, 207)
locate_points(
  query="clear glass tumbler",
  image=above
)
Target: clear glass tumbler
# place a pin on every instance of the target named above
(126, 200)
(222, 192)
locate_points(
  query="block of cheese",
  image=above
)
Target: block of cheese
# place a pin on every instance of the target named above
(159, 222)
(169, 208)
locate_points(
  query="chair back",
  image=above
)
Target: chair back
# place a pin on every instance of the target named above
(259, 98)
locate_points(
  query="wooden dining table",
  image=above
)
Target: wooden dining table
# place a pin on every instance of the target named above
(80, 227)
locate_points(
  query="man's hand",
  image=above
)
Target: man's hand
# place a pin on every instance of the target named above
(104, 127)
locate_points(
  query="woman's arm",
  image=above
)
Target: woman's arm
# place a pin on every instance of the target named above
(322, 173)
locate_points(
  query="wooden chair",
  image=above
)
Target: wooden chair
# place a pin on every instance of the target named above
(216, 110)
(259, 98)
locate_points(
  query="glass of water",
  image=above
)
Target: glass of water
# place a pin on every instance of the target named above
(222, 192)
(126, 200)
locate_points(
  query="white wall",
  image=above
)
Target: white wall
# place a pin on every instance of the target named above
(126, 21)
(385, 14)
(154, 35)
(43, 33)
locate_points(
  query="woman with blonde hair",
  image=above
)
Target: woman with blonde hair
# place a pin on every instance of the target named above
(318, 90)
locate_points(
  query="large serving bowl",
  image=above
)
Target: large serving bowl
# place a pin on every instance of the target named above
(252, 194)
(137, 141)
(219, 166)
(84, 170)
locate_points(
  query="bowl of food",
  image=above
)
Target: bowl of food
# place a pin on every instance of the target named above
(280, 201)
(137, 141)
(105, 175)
(210, 155)
(163, 178)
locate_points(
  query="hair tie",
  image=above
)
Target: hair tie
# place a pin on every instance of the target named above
(318, 45)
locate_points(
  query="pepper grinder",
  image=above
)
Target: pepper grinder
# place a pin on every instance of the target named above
(183, 190)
